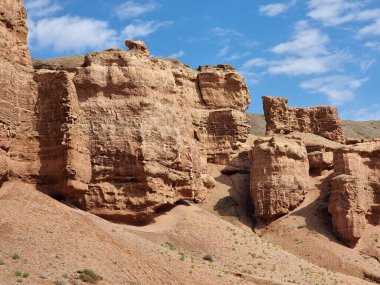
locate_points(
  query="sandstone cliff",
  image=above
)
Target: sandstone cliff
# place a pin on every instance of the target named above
(123, 135)
(127, 135)
(279, 176)
(18, 94)
(323, 121)
(355, 194)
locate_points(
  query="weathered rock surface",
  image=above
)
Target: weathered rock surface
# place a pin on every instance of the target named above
(127, 135)
(18, 95)
(279, 176)
(355, 196)
(323, 121)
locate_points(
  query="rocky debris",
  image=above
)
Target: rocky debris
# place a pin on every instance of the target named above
(279, 175)
(127, 136)
(319, 151)
(138, 46)
(323, 121)
(355, 194)
(18, 94)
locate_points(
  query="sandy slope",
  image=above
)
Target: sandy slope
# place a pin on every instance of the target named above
(54, 241)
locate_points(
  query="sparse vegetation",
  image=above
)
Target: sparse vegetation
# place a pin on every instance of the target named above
(182, 256)
(18, 273)
(25, 275)
(208, 257)
(87, 275)
(59, 282)
(15, 256)
(2, 261)
(170, 245)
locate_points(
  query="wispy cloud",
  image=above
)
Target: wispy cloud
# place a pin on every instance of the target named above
(371, 113)
(305, 54)
(223, 51)
(375, 46)
(42, 8)
(275, 9)
(142, 29)
(177, 54)
(337, 12)
(366, 64)
(371, 29)
(307, 41)
(132, 9)
(338, 88)
(226, 32)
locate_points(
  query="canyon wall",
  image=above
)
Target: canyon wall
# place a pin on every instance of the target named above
(323, 121)
(355, 194)
(127, 135)
(18, 94)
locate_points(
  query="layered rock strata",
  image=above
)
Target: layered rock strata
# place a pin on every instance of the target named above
(127, 135)
(118, 133)
(355, 194)
(279, 176)
(18, 95)
(323, 121)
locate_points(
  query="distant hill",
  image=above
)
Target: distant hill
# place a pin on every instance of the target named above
(351, 129)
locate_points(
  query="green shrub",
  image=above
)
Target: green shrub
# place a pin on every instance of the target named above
(15, 256)
(87, 275)
(208, 257)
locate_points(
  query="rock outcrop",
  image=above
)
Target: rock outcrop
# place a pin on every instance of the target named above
(355, 194)
(117, 133)
(18, 95)
(279, 176)
(323, 121)
(127, 135)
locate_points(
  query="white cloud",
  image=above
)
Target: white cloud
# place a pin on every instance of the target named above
(305, 54)
(142, 29)
(273, 9)
(177, 54)
(337, 12)
(64, 34)
(338, 88)
(304, 65)
(255, 62)
(41, 8)
(132, 9)
(223, 51)
(371, 30)
(306, 41)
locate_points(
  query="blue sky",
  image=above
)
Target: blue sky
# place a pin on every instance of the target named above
(314, 52)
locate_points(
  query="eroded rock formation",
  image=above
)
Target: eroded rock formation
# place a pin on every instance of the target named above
(117, 133)
(127, 135)
(323, 121)
(355, 194)
(279, 176)
(18, 94)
